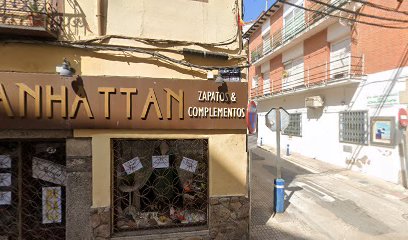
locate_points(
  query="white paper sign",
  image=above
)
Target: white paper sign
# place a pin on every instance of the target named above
(49, 171)
(188, 164)
(160, 161)
(51, 205)
(5, 198)
(5, 179)
(132, 165)
(5, 161)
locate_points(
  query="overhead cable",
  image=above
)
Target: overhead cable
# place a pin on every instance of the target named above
(345, 18)
(360, 13)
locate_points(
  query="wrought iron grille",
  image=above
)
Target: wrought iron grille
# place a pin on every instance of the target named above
(32, 190)
(160, 183)
(31, 13)
(295, 125)
(354, 127)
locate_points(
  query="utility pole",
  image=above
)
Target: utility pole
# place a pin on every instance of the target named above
(266, 5)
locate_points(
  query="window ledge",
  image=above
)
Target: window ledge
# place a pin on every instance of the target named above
(158, 236)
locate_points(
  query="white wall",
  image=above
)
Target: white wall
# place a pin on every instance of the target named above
(320, 127)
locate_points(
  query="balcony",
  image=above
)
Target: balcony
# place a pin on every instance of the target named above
(349, 69)
(33, 18)
(282, 36)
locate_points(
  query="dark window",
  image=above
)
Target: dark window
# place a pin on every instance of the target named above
(354, 127)
(160, 183)
(295, 125)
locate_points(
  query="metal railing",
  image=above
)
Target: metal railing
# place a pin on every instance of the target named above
(29, 14)
(349, 67)
(284, 34)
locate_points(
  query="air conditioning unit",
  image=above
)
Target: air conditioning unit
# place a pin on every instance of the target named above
(314, 102)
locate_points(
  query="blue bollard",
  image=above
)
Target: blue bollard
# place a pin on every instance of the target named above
(287, 150)
(279, 195)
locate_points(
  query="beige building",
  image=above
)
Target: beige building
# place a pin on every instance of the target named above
(138, 134)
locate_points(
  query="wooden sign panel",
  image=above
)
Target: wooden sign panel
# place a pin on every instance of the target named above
(48, 101)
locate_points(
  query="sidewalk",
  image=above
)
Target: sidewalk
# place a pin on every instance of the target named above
(319, 167)
(324, 201)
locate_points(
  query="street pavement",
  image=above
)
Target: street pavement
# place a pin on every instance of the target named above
(323, 201)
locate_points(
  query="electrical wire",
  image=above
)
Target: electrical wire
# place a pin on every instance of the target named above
(345, 18)
(381, 7)
(360, 13)
(98, 47)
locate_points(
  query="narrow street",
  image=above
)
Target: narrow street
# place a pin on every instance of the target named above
(323, 201)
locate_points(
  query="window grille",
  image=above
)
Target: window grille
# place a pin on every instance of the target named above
(354, 127)
(32, 190)
(295, 125)
(160, 184)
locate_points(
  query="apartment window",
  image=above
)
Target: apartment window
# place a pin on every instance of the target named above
(159, 183)
(340, 58)
(267, 44)
(255, 82)
(295, 125)
(353, 126)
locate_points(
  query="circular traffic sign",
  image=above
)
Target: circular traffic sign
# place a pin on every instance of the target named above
(403, 117)
(251, 117)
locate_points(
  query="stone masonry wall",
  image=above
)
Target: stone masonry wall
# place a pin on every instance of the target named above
(100, 223)
(79, 188)
(229, 218)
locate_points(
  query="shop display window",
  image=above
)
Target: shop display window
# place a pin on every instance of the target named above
(159, 183)
(32, 190)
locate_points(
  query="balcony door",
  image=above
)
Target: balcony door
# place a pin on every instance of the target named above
(293, 75)
(294, 20)
(340, 53)
(266, 83)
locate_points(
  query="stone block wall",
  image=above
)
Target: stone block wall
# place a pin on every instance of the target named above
(101, 223)
(79, 188)
(229, 218)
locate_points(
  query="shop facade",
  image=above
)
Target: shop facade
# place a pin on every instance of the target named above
(92, 158)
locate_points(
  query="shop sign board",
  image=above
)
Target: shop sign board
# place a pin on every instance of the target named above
(48, 101)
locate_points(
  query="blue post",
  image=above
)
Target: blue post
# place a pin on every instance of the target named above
(279, 195)
(261, 142)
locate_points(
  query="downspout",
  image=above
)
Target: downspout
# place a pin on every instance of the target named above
(100, 16)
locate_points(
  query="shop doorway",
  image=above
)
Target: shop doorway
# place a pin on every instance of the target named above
(32, 190)
(159, 184)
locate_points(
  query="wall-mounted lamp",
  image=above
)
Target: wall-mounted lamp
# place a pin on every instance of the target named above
(219, 79)
(65, 69)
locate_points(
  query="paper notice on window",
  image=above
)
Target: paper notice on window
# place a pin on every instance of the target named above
(51, 205)
(5, 198)
(188, 164)
(49, 171)
(132, 165)
(5, 161)
(160, 161)
(5, 179)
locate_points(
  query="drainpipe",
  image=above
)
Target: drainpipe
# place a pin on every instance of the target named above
(100, 16)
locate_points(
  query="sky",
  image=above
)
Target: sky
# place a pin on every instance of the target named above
(252, 8)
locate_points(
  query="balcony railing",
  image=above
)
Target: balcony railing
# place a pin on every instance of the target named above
(38, 18)
(283, 35)
(342, 69)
